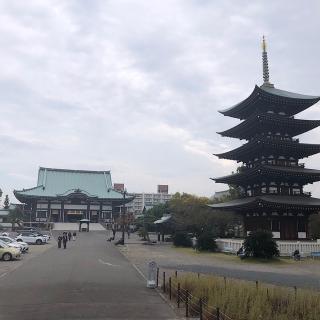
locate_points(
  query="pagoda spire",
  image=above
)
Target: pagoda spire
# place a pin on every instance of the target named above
(265, 65)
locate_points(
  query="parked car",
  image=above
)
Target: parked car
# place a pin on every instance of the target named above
(12, 245)
(23, 245)
(8, 253)
(31, 238)
(27, 233)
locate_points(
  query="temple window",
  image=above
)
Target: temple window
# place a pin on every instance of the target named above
(273, 190)
(296, 191)
(301, 225)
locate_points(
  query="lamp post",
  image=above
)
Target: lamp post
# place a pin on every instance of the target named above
(123, 215)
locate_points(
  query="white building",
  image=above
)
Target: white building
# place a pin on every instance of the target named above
(145, 200)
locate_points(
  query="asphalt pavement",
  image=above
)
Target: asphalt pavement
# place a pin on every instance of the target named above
(89, 280)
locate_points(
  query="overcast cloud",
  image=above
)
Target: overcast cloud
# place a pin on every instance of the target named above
(134, 86)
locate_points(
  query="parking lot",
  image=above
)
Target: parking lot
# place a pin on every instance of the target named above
(34, 250)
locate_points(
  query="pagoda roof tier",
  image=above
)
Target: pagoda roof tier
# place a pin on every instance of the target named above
(264, 173)
(270, 146)
(270, 201)
(265, 98)
(259, 123)
(65, 183)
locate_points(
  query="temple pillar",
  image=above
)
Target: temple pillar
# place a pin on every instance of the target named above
(100, 211)
(49, 211)
(62, 211)
(88, 211)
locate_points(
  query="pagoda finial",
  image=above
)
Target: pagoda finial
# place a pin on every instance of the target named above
(265, 64)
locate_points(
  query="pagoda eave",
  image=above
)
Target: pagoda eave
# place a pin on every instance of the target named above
(265, 96)
(261, 172)
(270, 202)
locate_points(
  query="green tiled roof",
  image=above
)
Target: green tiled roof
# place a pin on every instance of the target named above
(61, 182)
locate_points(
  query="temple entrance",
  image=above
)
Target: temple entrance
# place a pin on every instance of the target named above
(288, 229)
(74, 215)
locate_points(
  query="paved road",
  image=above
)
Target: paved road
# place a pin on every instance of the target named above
(88, 280)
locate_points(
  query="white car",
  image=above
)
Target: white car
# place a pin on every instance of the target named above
(6, 234)
(31, 238)
(23, 245)
(11, 245)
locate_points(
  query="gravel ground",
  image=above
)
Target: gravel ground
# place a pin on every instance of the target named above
(303, 274)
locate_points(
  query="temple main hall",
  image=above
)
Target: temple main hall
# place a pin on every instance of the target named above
(64, 195)
(271, 178)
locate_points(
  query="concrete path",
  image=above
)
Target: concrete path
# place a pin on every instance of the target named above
(68, 226)
(89, 280)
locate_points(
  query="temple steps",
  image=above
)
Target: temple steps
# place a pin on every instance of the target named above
(68, 226)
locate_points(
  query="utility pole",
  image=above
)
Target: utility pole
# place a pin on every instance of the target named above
(123, 215)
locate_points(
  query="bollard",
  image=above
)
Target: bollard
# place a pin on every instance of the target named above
(187, 303)
(170, 288)
(295, 292)
(257, 285)
(200, 309)
(178, 295)
(164, 282)
(176, 273)
(198, 275)
(218, 314)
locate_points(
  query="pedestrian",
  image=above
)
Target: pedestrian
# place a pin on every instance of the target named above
(65, 240)
(74, 236)
(128, 232)
(59, 241)
(114, 230)
(69, 235)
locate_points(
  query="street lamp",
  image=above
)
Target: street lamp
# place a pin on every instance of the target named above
(123, 215)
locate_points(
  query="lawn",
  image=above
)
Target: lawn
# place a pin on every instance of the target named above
(234, 259)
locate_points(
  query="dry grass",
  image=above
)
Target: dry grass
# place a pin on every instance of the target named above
(243, 300)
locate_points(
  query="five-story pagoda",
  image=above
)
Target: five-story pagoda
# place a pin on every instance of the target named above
(271, 179)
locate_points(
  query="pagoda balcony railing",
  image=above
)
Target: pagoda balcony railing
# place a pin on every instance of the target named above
(283, 138)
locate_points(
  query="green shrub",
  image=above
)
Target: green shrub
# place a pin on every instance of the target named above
(182, 239)
(260, 244)
(206, 242)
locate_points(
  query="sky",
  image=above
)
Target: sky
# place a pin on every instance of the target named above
(134, 86)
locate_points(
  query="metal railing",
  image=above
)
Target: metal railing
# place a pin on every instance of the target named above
(193, 306)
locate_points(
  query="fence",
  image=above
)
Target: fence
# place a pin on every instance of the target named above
(286, 248)
(193, 306)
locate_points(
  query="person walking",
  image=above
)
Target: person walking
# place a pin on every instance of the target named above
(74, 236)
(69, 235)
(64, 240)
(59, 241)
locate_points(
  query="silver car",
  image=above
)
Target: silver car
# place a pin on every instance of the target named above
(23, 245)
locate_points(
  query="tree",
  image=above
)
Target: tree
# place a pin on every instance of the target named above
(6, 202)
(15, 216)
(192, 214)
(145, 223)
(206, 242)
(260, 244)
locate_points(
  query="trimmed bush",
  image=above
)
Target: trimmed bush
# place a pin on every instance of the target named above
(206, 242)
(182, 239)
(260, 244)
